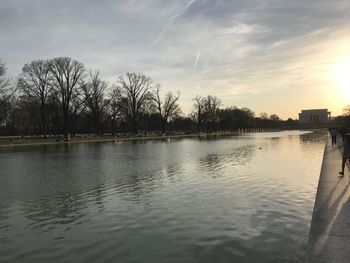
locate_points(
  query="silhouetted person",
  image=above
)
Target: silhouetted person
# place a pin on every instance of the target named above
(334, 134)
(346, 152)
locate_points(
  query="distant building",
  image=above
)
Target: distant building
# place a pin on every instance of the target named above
(315, 116)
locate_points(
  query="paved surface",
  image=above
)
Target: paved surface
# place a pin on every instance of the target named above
(329, 239)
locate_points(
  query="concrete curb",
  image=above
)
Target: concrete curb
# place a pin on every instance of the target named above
(329, 237)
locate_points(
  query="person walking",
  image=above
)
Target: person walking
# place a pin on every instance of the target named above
(346, 152)
(334, 133)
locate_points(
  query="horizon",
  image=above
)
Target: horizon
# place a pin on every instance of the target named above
(272, 57)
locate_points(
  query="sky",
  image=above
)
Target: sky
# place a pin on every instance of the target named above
(271, 56)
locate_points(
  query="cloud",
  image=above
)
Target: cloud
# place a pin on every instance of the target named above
(237, 50)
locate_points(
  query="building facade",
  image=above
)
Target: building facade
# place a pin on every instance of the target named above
(315, 116)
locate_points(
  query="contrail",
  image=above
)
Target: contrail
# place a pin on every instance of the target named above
(196, 61)
(189, 3)
(159, 38)
(172, 20)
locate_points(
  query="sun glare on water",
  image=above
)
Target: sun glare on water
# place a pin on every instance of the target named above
(342, 77)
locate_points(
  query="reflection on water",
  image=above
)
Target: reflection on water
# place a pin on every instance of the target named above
(244, 198)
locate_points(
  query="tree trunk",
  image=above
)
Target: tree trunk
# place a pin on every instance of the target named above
(96, 126)
(113, 129)
(163, 126)
(65, 125)
(199, 122)
(43, 120)
(134, 126)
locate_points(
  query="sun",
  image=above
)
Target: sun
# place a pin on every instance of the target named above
(341, 71)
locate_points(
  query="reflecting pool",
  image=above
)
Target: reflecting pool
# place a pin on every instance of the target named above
(242, 198)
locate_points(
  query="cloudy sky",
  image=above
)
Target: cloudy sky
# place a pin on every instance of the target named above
(274, 56)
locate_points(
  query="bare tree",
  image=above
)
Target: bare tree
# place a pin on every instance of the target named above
(247, 118)
(6, 92)
(197, 111)
(94, 92)
(68, 82)
(168, 108)
(248, 112)
(274, 117)
(5, 109)
(115, 109)
(35, 82)
(264, 116)
(135, 96)
(4, 81)
(211, 105)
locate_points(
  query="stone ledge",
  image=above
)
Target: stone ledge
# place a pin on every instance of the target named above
(329, 237)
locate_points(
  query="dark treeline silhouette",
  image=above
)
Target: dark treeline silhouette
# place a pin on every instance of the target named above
(342, 122)
(60, 96)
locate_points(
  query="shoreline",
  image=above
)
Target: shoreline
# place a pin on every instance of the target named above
(117, 139)
(131, 138)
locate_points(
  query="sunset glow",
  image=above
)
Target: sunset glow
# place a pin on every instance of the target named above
(342, 77)
(236, 50)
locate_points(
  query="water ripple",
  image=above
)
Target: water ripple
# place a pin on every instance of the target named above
(245, 198)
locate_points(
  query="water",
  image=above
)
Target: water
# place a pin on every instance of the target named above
(217, 199)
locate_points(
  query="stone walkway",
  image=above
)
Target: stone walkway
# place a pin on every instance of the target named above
(329, 238)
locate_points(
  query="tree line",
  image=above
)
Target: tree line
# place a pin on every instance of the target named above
(61, 96)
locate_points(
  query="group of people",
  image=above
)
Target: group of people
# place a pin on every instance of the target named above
(345, 135)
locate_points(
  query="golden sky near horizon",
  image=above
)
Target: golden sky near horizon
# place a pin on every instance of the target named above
(271, 56)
